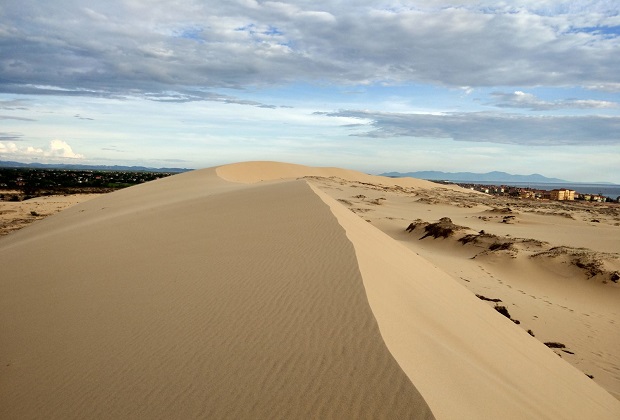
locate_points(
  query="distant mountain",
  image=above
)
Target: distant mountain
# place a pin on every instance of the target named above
(475, 177)
(9, 164)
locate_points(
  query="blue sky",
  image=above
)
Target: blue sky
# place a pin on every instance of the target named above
(522, 87)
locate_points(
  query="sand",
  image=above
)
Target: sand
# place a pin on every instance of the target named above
(17, 215)
(545, 290)
(253, 291)
(229, 302)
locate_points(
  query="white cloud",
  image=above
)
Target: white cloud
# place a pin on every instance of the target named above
(8, 148)
(57, 149)
(519, 99)
(61, 149)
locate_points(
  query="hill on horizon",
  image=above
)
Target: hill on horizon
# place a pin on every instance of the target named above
(495, 176)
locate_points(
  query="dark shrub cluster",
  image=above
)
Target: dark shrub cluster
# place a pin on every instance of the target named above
(554, 345)
(502, 310)
(443, 228)
(489, 299)
(469, 238)
(500, 246)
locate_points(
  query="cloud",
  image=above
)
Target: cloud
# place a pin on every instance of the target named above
(10, 117)
(57, 149)
(11, 136)
(194, 96)
(113, 149)
(524, 100)
(13, 104)
(491, 127)
(78, 116)
(122, 47)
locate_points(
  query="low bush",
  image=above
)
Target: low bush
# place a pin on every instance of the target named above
(500, 246)
(443, 228)
(502, 310)
(488, 299)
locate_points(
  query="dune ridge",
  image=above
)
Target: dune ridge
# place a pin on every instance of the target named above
(257, 171)
(556, 273)
(472, 363)
(193, 298)
(466, 362)
(213, 294)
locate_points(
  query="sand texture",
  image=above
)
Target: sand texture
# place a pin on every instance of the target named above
(16, 215)
(548, 263)
(269, 290)
(232, 302)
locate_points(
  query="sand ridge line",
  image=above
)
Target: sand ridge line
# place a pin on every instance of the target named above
(131, 313)
(526, 283)
(455, 348)
(246, 303)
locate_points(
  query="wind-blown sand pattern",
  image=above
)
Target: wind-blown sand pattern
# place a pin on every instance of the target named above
(245, 292)
(233, 302)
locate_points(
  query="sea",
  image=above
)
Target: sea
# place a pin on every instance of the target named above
(607, 190)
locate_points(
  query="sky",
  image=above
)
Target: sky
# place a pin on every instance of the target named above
(517, 86)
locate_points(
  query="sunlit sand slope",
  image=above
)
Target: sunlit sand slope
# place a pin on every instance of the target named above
(252, 172)
(468, 361)
(211, 294)
(192, 297)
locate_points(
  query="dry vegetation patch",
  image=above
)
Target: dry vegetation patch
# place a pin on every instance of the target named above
(592, 263)
(444, 228)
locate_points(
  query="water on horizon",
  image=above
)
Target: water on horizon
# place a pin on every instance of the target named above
(607, 190)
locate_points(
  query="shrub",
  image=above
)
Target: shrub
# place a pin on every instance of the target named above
(502, 310)
(468, 238)
(444, 228)
(500, 246)
(488, 299)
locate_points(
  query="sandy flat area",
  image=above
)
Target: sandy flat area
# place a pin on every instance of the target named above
(15, 215)
(269, 290)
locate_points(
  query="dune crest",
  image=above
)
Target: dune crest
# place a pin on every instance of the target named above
(211, 294)
(192, 297)
(557, 275)
(467, 362)
(252, 172)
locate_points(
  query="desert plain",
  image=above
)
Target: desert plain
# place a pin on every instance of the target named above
(273, 290)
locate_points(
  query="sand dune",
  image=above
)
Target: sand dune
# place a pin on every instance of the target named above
(555, 287)
(172, 301)
(212, 294)
(252, 172)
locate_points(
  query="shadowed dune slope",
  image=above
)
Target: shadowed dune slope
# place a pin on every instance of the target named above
(192, 297)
